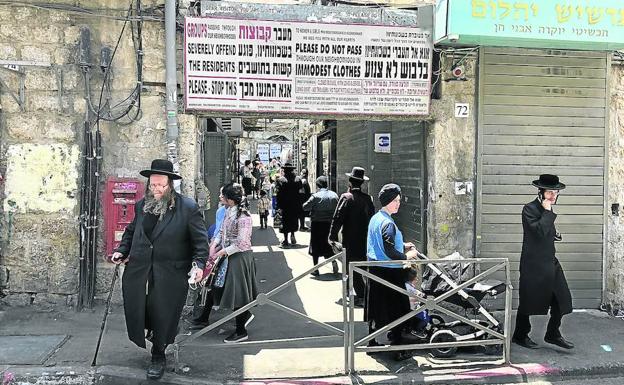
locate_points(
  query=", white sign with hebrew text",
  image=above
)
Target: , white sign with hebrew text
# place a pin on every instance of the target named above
(263, 151)
(261, 66)
(275, 150)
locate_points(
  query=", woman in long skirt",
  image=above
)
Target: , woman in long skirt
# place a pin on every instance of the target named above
(289, 203)
(235, 284)
(385, 243)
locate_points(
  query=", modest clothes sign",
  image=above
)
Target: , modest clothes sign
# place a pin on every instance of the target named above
(568, 24)
(266, 66)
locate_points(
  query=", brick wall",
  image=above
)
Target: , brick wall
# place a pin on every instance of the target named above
(41, 147)
(615, 235)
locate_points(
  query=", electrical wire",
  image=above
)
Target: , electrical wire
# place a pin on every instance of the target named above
(107, 72)
(468, 53)
(444, 54)
(83, 11)
(90, 221)
(123, 109)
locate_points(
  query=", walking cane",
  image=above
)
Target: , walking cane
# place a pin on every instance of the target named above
(108, 304)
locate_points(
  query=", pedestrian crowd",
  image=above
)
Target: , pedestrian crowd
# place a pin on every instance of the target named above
(168, 242)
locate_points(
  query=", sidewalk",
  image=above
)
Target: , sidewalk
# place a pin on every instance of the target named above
(57, 345)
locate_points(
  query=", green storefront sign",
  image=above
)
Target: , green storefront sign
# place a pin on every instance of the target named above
(569, 24)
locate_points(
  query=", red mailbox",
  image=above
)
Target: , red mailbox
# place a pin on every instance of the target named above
(119, 200)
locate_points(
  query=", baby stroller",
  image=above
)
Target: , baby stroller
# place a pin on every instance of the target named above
(439, 279)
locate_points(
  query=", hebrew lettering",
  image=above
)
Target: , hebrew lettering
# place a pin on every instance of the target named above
(248, 32)
(552, 31)
(283, 33)
(265, 33)
(613, 13)
(506, 7)
(594, 15)
(621, 23)
(518, 28)
(501, 9)
(564, 13)
(521, 7)
(590, 32)
(479, 8)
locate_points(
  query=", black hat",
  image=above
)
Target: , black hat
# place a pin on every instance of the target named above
(288, 166)
(161, 167)
(357, 173)
(388, 192)
(549, 182)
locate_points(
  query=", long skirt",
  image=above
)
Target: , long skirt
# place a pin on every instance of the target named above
(319, 244)
(247, 186)
(240, 286)
(290, 220)
(383, 304)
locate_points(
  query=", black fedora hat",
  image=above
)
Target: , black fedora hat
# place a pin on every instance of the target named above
(161, 167)
(357, 173)
(549, 182)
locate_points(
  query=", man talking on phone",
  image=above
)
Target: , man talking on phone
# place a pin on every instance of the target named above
(543, 285)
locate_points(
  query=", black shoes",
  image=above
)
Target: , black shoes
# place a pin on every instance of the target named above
(555, 340)
(316, 273)
(293, 240)
(403, 355)
(156, 368)
(524, 342)
(236, 337)
(198, 325)
(559, 341)
(373, 343)
(240, 334)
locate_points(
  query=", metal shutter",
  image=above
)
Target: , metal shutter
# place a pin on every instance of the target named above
(215, 169)
(403, 166)
(380, 165)
(408, 172)
(544, 111)
(351, 150)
